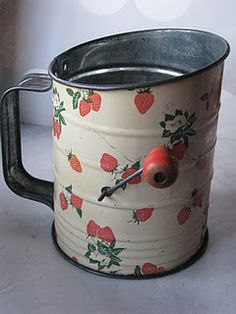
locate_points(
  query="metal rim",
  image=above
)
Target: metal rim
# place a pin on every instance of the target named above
(191, 261)
(141, 84)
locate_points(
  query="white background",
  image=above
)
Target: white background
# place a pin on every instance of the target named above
(34, 31)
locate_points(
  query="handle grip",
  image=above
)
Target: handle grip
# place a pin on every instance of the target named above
(16, 177)
(160, 167)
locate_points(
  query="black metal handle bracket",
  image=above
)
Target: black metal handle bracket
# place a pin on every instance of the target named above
(16, 177)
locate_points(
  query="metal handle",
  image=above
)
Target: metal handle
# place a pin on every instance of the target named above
(16, 177)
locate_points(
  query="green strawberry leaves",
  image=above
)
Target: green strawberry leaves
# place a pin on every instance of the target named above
(79, 212)
(75, 100)
(69, 189)
(183, 129)
(58, 107)
(136, 165)
(70, 92)
(137, 271)
(106, 250)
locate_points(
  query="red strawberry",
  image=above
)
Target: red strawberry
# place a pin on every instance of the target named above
(76, 201)
(128, 172)
(92, 228)
(183, 215)
(106, 234)
(197, 199)
(63, 201)
(142, 214)
(108, 163)
(56, 128)
(95, 99)
(84, 107)
(74, 259)
(201, 163)
(149, 269)
(178, 150)
(144, 100)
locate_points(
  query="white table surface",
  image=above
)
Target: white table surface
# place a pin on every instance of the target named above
(34, 278)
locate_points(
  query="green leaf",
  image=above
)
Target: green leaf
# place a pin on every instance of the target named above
(93, 261)
(61, 120)
(75, 100)
(163, 124)
(91, 247)
(79, 212)
(87, 254)
(194, 193)
(54, 90)
(61, 104)
(169, 117)
(136, 165)
(69, 189)
(112, 244)
(117, 181)
(114, 258)
(70, 91)
(185, 138)
(110, 264)
(190, 121)
(166, 133)
(178, 112)
(190, 132)
(124, 186)
(177, 135)
(102, 248)
(117, 251)
(100, 267)
(186, 114)
(115, 263)
(58, 111)
(137, 271)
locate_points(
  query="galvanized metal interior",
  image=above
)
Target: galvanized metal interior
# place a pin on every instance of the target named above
(140, 58)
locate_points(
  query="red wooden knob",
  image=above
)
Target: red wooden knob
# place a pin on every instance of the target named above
(160, 167)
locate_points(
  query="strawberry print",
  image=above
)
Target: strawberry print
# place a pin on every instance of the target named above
(183, 215)
(106, 234)
(74, 161)
(102, 250)
(84, 107)
(148, 269)
(56, 128)
(74, 258)
(142, 215)
(194, 201)
(178, 127)
(92, 229)
(143, 100)
(95, 100)
(85, 100)
(58, 119)
(108, 163)
(63, 201)
(69, 198)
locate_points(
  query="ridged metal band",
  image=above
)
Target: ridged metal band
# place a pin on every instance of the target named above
(191, 261)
